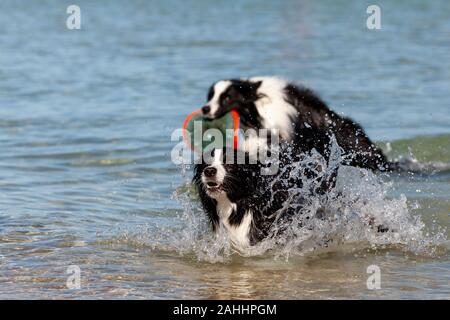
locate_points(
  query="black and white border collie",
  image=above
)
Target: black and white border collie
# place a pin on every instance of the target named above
(236, 197)
(275, 104)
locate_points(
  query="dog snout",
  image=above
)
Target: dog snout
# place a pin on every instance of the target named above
(210, 172)
(206, 109)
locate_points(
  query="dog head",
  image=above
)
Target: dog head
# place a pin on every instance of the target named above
(227, 95)
(229, 173)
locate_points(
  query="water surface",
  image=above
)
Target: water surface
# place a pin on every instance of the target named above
(85, 123)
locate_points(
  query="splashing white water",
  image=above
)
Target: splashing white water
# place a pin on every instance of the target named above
(351, 214)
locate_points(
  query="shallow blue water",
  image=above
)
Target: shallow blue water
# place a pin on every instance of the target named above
(86, 117)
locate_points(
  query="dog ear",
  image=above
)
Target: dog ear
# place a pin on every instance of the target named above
(256, 85)
(248, 89)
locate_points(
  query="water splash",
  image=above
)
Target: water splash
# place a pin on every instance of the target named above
(359, 213)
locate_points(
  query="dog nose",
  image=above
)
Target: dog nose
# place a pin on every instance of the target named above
(206, 109)
(210, 172)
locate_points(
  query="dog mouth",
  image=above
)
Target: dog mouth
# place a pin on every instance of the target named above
(216, 115)
(209, 117)
(213, 186)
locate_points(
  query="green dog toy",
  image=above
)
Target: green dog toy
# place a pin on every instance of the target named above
(199, 141)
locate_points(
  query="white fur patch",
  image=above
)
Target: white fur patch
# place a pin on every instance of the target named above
(219, 88)
(273, 108)
(239, 235)
(217, 163)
